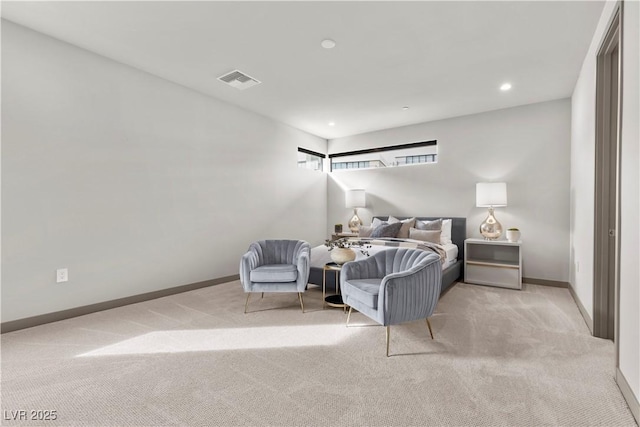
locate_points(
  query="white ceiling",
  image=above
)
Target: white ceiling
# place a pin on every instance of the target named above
(441, 59)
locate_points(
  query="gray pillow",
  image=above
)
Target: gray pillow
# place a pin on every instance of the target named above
(429, 225)
(365, 231)
(406, 225)
(386, 230)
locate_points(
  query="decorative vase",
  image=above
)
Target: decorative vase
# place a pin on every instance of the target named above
(342, 255)
(355, 222)
(513, 236)
(491, 229)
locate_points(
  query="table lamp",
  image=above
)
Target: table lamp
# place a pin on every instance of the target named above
(491, 195)
(355, 199)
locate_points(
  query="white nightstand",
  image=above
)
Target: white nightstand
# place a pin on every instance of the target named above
(493, 263)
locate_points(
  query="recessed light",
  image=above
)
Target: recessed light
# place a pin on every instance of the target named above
(405, 108)
(332, 124)
(328, 44)
(505, 87)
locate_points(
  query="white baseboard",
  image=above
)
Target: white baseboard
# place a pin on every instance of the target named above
(628, 395)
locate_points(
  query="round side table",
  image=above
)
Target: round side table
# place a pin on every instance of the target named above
(332, 300)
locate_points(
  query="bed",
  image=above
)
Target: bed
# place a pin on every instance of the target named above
(452, 264)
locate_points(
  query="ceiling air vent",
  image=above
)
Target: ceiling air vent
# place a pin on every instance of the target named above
(239, 80)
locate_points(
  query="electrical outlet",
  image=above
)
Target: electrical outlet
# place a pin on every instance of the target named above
(62, 275)
(577, 266)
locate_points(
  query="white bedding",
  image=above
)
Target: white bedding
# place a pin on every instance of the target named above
(320, 255)
(452, 254)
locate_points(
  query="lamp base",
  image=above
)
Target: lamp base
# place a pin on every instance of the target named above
(355, 222)
(491, 229)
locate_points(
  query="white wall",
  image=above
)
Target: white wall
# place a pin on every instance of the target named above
(629, 338)
(133, 183)
(527, 147)
(582, 188)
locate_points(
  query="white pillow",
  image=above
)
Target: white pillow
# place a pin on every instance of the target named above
(432, 236)
(445, 237)
(376, 222)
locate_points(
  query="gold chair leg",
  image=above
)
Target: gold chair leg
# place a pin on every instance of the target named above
(388, 337)
(301, 301)
(246, 302)
(349, 315)
(430, 330)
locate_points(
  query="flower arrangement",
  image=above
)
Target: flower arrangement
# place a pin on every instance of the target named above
(513, 229)
(345, 243)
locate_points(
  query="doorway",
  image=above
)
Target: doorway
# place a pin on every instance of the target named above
(607, 186)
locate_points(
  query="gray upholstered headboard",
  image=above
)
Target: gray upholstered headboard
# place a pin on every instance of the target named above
(458, 229)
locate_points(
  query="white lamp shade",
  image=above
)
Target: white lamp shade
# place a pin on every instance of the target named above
(355, 199)
(491, 194)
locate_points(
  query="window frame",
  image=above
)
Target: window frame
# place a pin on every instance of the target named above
(431, 143)
(313, 153)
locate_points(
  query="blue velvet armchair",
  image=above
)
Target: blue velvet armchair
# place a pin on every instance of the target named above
(275, 266)
(393, 286)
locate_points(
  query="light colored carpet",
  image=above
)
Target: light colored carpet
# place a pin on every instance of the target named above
(500, 357)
